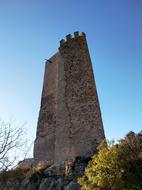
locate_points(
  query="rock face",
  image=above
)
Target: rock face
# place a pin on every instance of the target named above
(55, 177)
(70, 122)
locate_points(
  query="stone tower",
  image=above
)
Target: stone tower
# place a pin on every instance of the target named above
(70, 122)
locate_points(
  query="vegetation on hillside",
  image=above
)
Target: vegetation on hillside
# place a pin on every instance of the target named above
(116, 166)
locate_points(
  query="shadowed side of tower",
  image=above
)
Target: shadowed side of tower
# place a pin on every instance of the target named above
(44, 145)
(70, 96)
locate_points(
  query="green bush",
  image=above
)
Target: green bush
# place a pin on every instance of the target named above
(116, 167)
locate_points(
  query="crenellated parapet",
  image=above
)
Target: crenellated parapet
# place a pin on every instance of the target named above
(70, 38)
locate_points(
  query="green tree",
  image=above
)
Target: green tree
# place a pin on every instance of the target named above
(116, 167)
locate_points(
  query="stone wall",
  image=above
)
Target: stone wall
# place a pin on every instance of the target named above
(70, 122)
(45, 139)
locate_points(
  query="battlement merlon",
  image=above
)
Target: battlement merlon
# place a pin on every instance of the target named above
(70, 38)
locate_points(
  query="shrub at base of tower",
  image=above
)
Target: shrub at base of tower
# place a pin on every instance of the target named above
(116, 167)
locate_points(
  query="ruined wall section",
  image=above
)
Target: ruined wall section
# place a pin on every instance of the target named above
(85, 128)
(45, 139)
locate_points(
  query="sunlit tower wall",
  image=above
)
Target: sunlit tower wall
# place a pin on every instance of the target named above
(70, 122)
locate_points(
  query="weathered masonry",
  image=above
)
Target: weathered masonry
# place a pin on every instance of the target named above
(70, 122)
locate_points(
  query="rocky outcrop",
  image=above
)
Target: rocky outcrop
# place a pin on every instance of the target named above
(52, 177)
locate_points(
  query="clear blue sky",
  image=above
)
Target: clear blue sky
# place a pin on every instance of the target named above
(30, 31)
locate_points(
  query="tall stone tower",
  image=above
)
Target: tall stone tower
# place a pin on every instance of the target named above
(70, 122)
